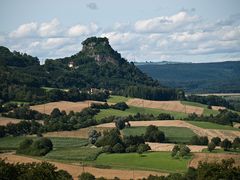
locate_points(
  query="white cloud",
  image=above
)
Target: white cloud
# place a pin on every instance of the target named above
(182, 36)
(24, 30)
(164, 24)
(48, 29)
(79, 30)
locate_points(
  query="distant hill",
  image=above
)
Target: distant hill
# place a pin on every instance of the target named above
(221, 77)
(97, 65)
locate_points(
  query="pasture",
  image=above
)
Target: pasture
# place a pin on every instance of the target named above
(175, 106)
(172, 134)
(209, 125)
(134, 110)
(12, 143)
(153, 161)
(116, 99)
(206, 111)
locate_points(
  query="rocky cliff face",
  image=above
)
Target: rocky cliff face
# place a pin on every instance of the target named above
(101, 51)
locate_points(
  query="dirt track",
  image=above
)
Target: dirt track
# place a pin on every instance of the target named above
(213, 157)
(176, 106)
(76, 170)
(63, 105)
(210, 133)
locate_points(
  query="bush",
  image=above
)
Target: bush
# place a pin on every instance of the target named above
(236, 143)
(120, 106)
(120, 123)
(39, 147)
(184, 151)
(86, 176)
(175, 150)
(216, 141)
(131, 148)
(211, 146)
(196, 140)
(143, 148)
(226, 144)
(107, 149)
(93, 135)
(153, 134)
(165, 116)
(118, 148)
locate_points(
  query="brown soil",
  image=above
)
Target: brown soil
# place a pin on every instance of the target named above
(81, 133)
(210, 133)
(176, 106)
(63, 105)
(213, 157)
(4, 121)
(76, 170)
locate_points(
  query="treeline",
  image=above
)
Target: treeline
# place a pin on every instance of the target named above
(210, 100)
(152, 93)
(42, 170)
(225, 117)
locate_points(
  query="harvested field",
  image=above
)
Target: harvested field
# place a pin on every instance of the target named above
(213, 157)
(63, 105)
(81, 133)
(4, 121)
(176, 106)
(217, 108)
(76, 170)
(210, 133)
(169, 147)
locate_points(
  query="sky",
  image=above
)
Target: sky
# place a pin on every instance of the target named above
(141, 30)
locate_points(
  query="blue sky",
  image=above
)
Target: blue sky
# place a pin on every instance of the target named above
(156, 30)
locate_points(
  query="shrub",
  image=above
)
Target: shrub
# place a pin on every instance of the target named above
(226, 144)
(86, 176)
(196, 140)
(107, 149)
(131, 148)
(184, 151)
(120, 106)
(143, 148)
(153, 134)
(236, 143)
(216, 141)
(120, 123)
(118, 148)
(165, 116)
(93, 135)
(39, 147)
(175, 150)
(211, 146)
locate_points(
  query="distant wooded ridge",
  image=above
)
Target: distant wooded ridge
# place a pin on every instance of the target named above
(218, 77)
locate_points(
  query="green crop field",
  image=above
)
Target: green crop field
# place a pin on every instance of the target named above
(116, 99)
(134, 110)
(155, 161)
(206, 112)
(172, 134)
(209, 125)
(74, 154)
(12, 143)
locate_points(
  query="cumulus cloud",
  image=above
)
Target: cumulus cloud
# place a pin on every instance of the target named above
(79, 30)
(49, 28)
(24, 30)
(181, 36)
(92, 6)
(164, 24)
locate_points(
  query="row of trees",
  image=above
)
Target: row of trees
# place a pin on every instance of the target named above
(120, 106)
(210, 100)
(225, 117)
(112, 142)
(42, 170)
(225, 144)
